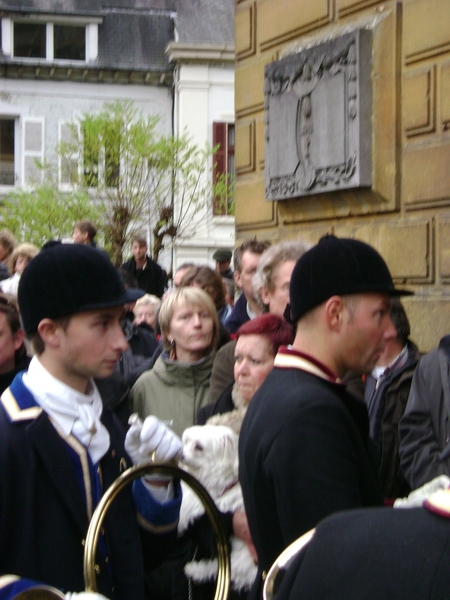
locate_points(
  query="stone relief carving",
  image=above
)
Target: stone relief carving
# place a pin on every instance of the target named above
(317, 106)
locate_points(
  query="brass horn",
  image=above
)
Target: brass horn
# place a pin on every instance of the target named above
(223, 575)
(281, 564)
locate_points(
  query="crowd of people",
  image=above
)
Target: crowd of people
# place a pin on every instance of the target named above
(304, 351)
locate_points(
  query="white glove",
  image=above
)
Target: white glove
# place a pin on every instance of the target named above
(143, 439)
(417, 497)
(84, 596)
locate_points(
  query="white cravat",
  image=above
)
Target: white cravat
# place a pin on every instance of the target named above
(72, 411)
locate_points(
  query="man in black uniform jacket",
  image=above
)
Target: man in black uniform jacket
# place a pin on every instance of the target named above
(304, 447)
(374, 554)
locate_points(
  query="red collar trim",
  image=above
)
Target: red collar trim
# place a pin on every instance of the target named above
(229, 487)
(288, 358)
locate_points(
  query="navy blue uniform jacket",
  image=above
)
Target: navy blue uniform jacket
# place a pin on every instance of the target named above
(46, 486)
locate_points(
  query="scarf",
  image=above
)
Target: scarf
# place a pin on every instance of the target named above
(71, 411)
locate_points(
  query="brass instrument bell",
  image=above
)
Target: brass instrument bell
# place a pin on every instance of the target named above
(223, 576)
(278, 569)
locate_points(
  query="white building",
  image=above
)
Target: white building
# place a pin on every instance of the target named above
(60, 58)
(203, 52)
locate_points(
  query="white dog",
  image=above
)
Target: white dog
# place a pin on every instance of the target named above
(210, 453)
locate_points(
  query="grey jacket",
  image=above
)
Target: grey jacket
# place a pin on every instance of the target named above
(424, 430)
(173, 391)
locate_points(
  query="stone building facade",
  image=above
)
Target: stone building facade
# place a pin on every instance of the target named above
(402, 204)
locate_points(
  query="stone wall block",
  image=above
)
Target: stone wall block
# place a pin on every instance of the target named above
(445, 97)
(444, 250)
(245, 31)
(426, 175)
(280, 22)
(429, 317)
(249, 210)
(347, 7)
(245, 147)
(419, 101)
(408, 250)
(420, 19)
(249, 94)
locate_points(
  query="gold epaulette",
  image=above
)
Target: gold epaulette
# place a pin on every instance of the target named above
(13, 410)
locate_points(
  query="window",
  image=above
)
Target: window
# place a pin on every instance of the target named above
(21, 150)
(35, 39)
(224, 170)
(69, 42)
(7, 146)
(91, 155)
(101, 156)
(68, 157)
(33, 149)
(112, 159)
(29, 40)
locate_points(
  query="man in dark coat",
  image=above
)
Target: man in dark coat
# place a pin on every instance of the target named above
(424, 430)
(372, 554)
(61, 448)
(386, 393)
(246, 261)
(304, 450)
(149, 275)
(222, 256)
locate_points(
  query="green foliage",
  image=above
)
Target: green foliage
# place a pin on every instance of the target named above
(223, 193)
(182, 189)
(44, 213)
(124, 175)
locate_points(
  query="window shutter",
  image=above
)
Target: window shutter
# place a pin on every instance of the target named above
(220, 161)
(68, 164)
(33, 149)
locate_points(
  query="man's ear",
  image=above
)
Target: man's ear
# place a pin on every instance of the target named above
(50, 332)
(19, 336)
(264, 295)
(237, 279)
(334, 309)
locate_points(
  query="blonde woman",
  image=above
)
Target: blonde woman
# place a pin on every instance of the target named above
(178, 384)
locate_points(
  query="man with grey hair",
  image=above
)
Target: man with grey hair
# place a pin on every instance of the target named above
(246, 260)
(272, 277)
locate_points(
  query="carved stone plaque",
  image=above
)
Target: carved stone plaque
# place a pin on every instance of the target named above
(317, 109)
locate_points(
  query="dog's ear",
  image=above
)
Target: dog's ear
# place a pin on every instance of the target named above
(185, 436)
(230, 449)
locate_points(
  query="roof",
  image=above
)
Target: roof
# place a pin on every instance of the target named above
(134, 41)
(133, 34)
(205, 21)
(73, 7)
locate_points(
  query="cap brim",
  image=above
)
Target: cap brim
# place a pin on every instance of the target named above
(395, 293)
(133, 294)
